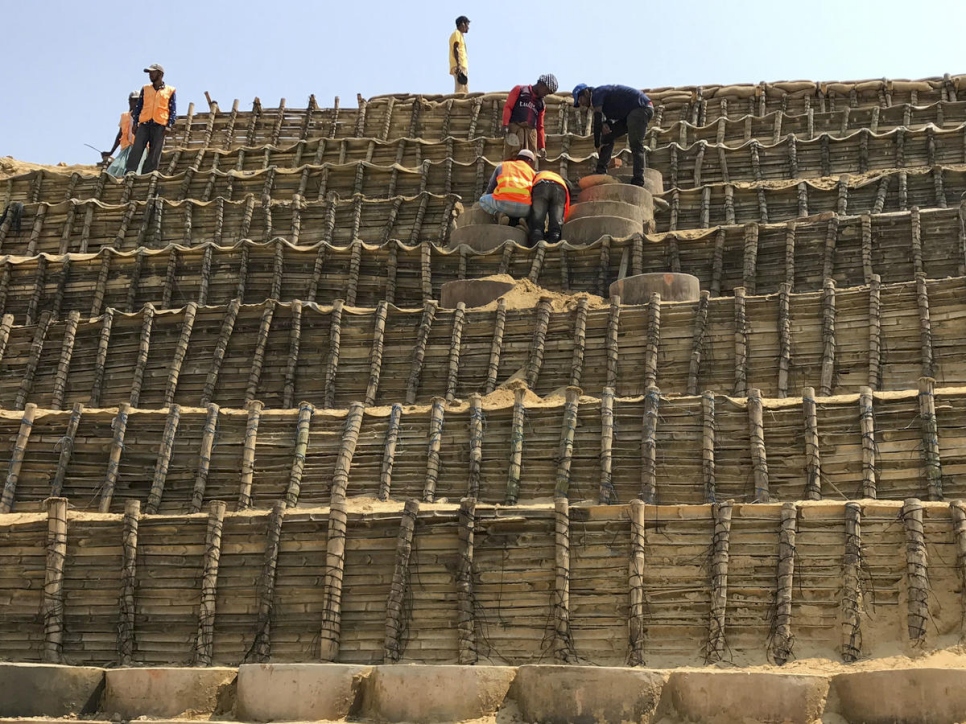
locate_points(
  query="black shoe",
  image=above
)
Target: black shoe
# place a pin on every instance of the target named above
(637, 182)
(600, 170)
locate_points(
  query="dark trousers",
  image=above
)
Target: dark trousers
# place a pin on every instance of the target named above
(634, 127)
(548, 201)
(149, 134)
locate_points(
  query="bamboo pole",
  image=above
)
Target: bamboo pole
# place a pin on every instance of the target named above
(957, 511)
(16, 461)
(66, 445)
(291, 367)
(516, 446)
(389, 452)
(258, 355)
(929, 430)
(63, 366)
(298, 458)
(784, 339)
(419, 352)
(563, 645)
(262, 647)
(477, 423)
(606, 495)
(399, 588)
(181, 351)
(867, 424)
(535, 358)
(917, 570)
(580, 341)
(708, 435)
(466, 617)
(107, 320)
(432, 453)
(741, 344)
(652, 401)
(875, 332)
(114, 460)
(925, 326)
(828, 339)
(218, 356)
(750, 271)
(759, 459)
(782, 640)
(496, 347)
(248, 456)
(813, 459)
(144, 346)
(698, 342)
(205, 642)
(33, 360)
(204, 458)
(53, 606)
(636, 619)
(653, 345)
(851, 587)
(164, 459)
(126, 642)
(375, 353)
(612, 344)
(566, 448)
(721, 513)
(790, 232)
(452, 377)
(335, 545)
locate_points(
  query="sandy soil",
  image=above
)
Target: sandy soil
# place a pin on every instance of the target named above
(9, 166)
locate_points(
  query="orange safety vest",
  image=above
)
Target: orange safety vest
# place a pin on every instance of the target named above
(514, 182)
(557, 179)
(127, 137)
(155, 107)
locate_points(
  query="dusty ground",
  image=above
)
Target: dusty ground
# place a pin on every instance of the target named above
(9, 166)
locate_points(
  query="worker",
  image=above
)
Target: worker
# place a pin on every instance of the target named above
(153, 116)
(509, 189)
(458, 64)
(124, 139)
(618, 111)
(523, 115)
(549, 207)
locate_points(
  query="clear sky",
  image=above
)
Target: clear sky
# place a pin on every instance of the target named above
(68, 66)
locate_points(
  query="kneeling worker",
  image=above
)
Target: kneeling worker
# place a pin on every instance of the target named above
(509, 189)
(618, 111)
(550, 205)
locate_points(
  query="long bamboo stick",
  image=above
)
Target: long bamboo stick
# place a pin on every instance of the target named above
(205, 642)
(53, 605)
(399, 588)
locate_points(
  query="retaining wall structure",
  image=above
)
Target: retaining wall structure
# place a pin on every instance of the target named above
(242, 431)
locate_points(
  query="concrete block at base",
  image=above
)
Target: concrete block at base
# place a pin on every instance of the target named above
(608, 208)
(472, 292)
(726, 697)
(49, 690)
(587, 694)
(292, 692)
(428, 694)
(168, 692)
(672, 286)
(911, 696)
(475, 215)
(484, 237)
(625, 193)
(591, 228)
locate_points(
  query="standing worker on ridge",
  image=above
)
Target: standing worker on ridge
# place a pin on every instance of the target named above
(618, 111)
(124, 139)
(509, 189)
(523, 115)
(458, 64)
(153, 116)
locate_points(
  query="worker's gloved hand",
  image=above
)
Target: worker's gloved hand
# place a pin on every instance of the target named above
(505, 130)
(605, 129)
(105, 155)
(542, 153)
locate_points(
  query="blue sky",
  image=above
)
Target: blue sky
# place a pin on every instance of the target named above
(68, 66)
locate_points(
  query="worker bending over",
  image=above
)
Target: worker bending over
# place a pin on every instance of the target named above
(509, 189)
(523, 115)
(618, 111)
(550, 205)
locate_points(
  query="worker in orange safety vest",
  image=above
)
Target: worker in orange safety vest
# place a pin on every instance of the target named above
(509, 189)
(549, 207)
(123, 140)
(153, 116)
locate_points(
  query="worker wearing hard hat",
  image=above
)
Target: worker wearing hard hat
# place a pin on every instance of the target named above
(618, 111)
(523, 115)
(509, 189)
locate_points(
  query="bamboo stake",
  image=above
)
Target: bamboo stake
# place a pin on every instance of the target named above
(180, 352)
(205, 642)
(144, 346)
(496, 347)
(925, 326)
(917, 570)
(566, 447)
(335, 545)
(828, 339)
(580, 341)
(563, 645)
(606, 495)
(16, 461)
(930, 438)
(266, 584)
(813, 460)
(466, 617)
(708, 434)
(477, 422)
(258, 356)
(790, 231)
(875, 332)
(164, 459)
(53, 606)
(784, 339)
(611, 344)
(721, 513)
(867, 270)
(782, 639)
(375, 353)
(851, 590)
(636, 619)
(204, 458)
(698, 341)
(291, 367)
(758, 455)
(117, 446)
(389, 452)
(63, 365)
(652, 401)
(452, 378)
(535, 358)
(6, 324)
(750, 274)
(33, 360)
(432, 454)
(218, 356)
(399, 589)
(126, 642)
(957, 510)
(248, 455)
(741, 344)
(516, 446)
(298, 458)
(653, 346)
(66, 445)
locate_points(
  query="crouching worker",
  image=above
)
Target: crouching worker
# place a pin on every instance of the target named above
(509, 189)
(550, 205)
(618, 111)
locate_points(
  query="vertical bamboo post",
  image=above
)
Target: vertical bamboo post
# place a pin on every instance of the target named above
(452, 377)
(144, 347)
(114, 460)
(925, 326)
(537, 344)
(563, 645)
(248, 456)
(957, 510)
(867, 249)
(496, 347)
(566, 448)
(332, 365)
(258, 355)
(917, 570)
(221, 346)
(828, 339)
(432, 455)
(298, 458)
(759, 459)
(399, 588)
(63, 365)
(375, 352)
(205, 641)
(867, 423)
(612, 343)
(419, 352)
(741, 344)
(516, 446)
(813, 458)
(291, 366)
(16, 460)
(698, 341)
(466, 608)
(790, 233)
(389, 452)
(750, 272)
(852, 591)
(262, 646)
(636, 621)
(128, 603)
(721, 514)
(53, 610)
(782, 639)
(204, 457)
(66, 445)
(784, 339)
(930, 438)
(653, 346)
(335, 545)
(875, 332)
(33, 361)
(164, 459)
(652, 401)
(580, 341)
(477, 423)
(606, 494)
(708, 435)
(180, 352)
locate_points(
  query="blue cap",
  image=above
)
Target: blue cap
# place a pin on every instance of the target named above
(578, 89)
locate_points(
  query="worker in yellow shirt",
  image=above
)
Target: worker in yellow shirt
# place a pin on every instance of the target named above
(458, 64)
